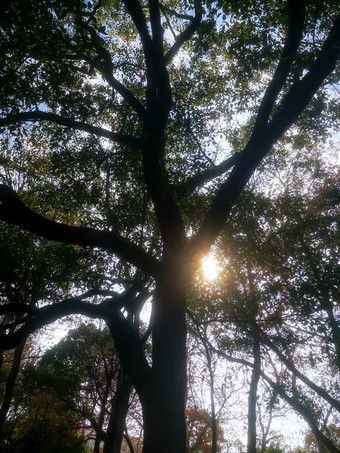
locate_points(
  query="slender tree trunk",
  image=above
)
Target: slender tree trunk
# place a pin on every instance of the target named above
(99, 433)
(119, 408)
(213, 412)
(11, 383)
(251, 448)
(266, 432)
(212, 396)
(128, 441)
(335, 329)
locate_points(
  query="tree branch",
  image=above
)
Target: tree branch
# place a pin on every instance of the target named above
(304, 412)
(176, 14)
(301, 93)
(292, 106)
(185, 35)
(14, 211)
(155, 18)
(168, 21)
(320, 391)
(135, 10)
(106, 71)
(38, 115)
(16, 307)
(49, 314)
(294, 36)
(7, 398)
(158, 95)
(188, 186)
(158, 86)
(225, 197)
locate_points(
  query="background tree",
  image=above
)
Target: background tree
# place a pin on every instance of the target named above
(77, 391)
(84, 373)
(37, 419)
(293, 340)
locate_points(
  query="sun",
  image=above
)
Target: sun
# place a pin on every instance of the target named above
(210, 268)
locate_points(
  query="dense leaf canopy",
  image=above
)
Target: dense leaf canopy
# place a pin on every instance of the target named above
(136, 136)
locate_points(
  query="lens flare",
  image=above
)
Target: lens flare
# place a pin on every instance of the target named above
(210, 268)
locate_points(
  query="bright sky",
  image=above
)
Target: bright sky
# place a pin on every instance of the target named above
(210, 267)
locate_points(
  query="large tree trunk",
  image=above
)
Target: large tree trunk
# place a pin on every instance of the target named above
(164, 403)
(161, 387)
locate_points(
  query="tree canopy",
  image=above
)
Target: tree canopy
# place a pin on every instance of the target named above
(130, 129)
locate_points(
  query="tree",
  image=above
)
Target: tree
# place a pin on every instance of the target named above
(83, 372)
(201, 434)
(313, 445)
(141, 90)
(276, 292)
(76, 390)
(37, 419)
(25, 276)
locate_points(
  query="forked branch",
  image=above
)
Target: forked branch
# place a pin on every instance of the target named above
(296, 10)
(106, 70)
(185, 35)
(258, 146)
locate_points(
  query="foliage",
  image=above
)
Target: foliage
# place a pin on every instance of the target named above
(81, 372)
(199, 427)
(37, 420)
(289, 291)
(127, 139)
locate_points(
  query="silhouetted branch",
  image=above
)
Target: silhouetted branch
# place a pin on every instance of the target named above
(296, 10)
(46, 315)
(106, 71)
(186, 34)
(38, 115)
(291, 107)
(14, 211)
(188, 186)
(320, 391)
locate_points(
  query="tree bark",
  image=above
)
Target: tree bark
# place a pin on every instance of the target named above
(164, 403)
(11, 383)
(251, 448)
(119, 408)
(162, 387)
(99, 433)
